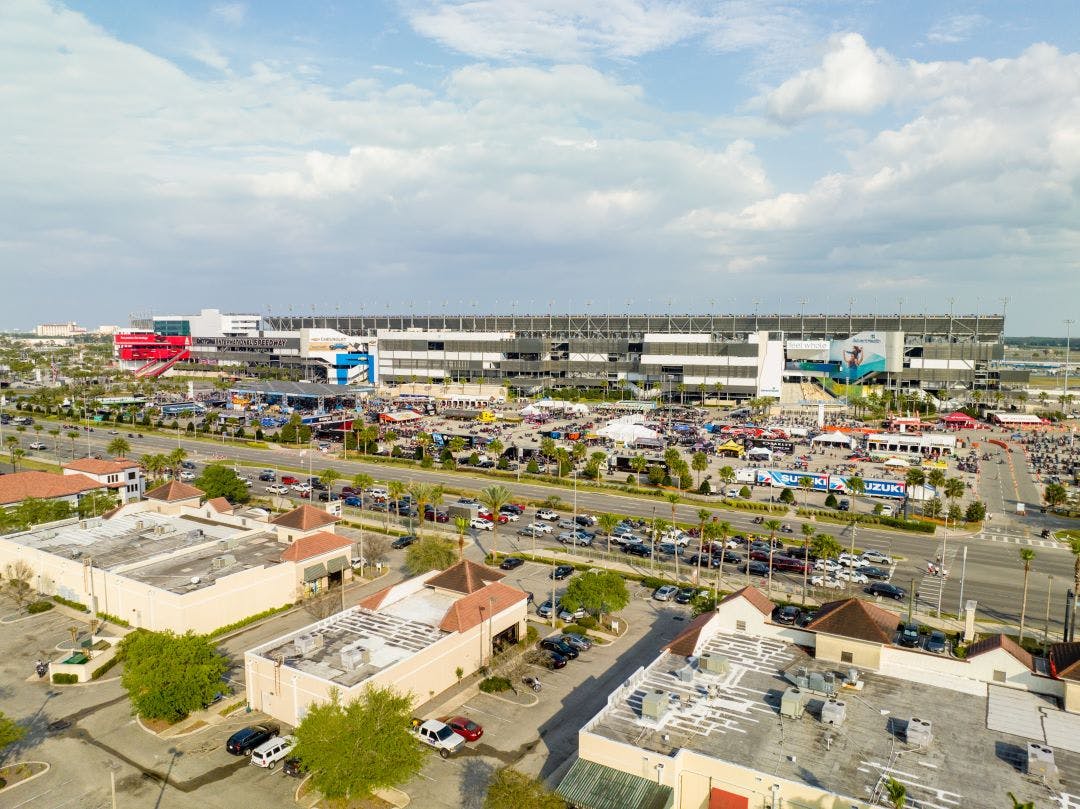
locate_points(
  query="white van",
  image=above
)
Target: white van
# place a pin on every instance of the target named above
(268, 754)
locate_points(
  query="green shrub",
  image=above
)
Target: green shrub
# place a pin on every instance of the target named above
(576, 629)
(493, 685)
(39, 606)
(588, 622)
(224, 630)
(531, 635)
(65, 679)
(830, 500)
(234, 707)
(113, 619)
(652, 582)
(75, 605)
(104, 667)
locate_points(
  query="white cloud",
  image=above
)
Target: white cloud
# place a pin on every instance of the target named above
(231, 13)
(956, 28)
(852, 78)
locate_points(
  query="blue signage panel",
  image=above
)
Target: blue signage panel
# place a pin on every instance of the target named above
(872, 488)
(790, 480)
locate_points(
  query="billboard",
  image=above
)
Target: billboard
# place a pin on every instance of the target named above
(859, 355)
(790, 480)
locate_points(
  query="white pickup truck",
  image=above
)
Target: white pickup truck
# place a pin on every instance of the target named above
(438, 734)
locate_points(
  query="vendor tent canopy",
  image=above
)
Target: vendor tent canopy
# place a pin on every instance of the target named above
(759, 452)
(959, 418)
(627, 431)
(530, 410)
(898, 462)
(833, 440)
(731, 449)
(399, 416)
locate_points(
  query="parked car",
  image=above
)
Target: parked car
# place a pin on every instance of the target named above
(37, 445)
(328, 497)
(909, 635)
(807, 617)
(530, 531)
(685, 595)
(480, 524)
(873, 572)
(569, 616)
(542, 527)
(469, 730)
(787, 615)
(881, 588)
(186, 475)
(545, 609)
(547, 514)
(876, 558)
(293, 768)
(290, 480)
(638, 549)
(579, 642)
(268, 475)
(247, 739)
(828, 582)
(270, 752)
(937, 643)
(853, 576)
(843, 505)
(789, 565)
(403, 541)
(665, 593)
(850, 560)
(554, 644)
(827, 565)
(756, 568)
(352, 500)
(562, 572)
(511, 563)
(551, 660)
(435, 734)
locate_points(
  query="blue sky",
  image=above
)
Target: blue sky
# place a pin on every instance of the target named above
(431, 155)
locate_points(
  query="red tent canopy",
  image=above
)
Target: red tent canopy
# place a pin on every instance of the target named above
(959, 418)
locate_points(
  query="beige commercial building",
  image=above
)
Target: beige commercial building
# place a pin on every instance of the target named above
(738, 712)
(121, 476)
(418, 637)
(175, 562)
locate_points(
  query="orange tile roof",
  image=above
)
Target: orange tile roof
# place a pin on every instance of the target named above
(470, 610)
(465, 577)
(98, 466)
(685, 643)
(19, 486)
(856, 619)
(375, 600)
(305, 518)
(1065, 661)
(174, 490)
(1001, 642)
(755, 597)
(220, 505)
(314, 545)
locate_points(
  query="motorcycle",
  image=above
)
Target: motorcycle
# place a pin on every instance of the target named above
(532, 682)
(41, 667)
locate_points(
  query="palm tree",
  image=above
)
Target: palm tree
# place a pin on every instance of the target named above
(1074, 546)
(1027, 555)
(806, 483)
(462, 525)
(422, 494)
(12, 442)
(55, 432)
(856, 485)
(954, 489)
(154, 464)
(825, 546)
(773, 526)
(17, 455)
(658, 527)
(395, 489)
(118, 447)
(495, 447)
(606, 523)
(638, 463)
(699, 462)
(703, 517)
(175, 459)
(672, 498)
(913, 477)
(808, 532)
(72, 435)
(494, 498)
(896, 793)
(1020, 805)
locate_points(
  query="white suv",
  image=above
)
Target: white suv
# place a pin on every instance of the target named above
(547, 514)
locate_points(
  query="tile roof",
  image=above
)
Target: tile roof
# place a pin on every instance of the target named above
(375, 600)
(305, 518)
(470, 610)
(314, 545)
(172, 491)
(755, 597)
(220, 505)
(98, 466)
(686, 642)
(1001, 642)
(1065, 661)
(465, 577)
(19, 486)
(856, 619)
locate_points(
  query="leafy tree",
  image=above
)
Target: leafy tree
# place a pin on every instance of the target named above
(295, 431)
(167, 676)
(744, 492)
(830, 500)
(933, 507)
(354, 748)
(15, 584)
(598, 591)
(429, 553)
(532, 467)
(975, 511)
(1055, 494)
(118, 447)
(218, 480)
(10, 731)
(91, 505)
(896, 793)
(509, 789)
(787, 496)
(656, 475)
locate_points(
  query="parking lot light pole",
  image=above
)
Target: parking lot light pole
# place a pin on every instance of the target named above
(1068, 340)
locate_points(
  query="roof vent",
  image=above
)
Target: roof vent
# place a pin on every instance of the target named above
(918, 732)
(353, 657)
(308, 643)
(222, 562)
(655, 705)
(1040, 761)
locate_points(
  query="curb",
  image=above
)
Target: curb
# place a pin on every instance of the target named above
(394, 796)
(48, 767)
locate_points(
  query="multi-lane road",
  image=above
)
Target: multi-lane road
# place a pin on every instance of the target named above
(992, 573)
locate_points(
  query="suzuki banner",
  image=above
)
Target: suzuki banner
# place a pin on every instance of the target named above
(872, 488)
(790, 480)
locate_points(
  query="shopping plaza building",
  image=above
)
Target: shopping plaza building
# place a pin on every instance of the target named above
(741, 356)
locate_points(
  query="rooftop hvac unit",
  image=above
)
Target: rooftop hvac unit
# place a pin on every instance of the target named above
(1040, 761)
(791, 704)
(685, 674)
(919, 732)
(222, 562)
(354, 657)
(230, 544)
(715, 664)
(159, 529)
(305, 644)
(833, 712)
(802, 679)
(139, 525)
(654, 705)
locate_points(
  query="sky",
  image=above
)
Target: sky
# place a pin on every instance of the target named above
(415, 156)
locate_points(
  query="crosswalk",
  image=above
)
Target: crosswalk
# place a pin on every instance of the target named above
(1014, 536)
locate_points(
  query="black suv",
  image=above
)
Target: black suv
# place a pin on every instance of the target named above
(511, 562)
(562, 572)
(403, 542)
(244, 741)
(881, 588)
(909, 635)
(638, 549)
(560, 647)
(267, 476)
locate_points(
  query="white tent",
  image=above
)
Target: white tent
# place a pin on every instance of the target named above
(760, 452)
(578, 409)
(530, 410)
(834, 440)
(896, 462)
(626, 432)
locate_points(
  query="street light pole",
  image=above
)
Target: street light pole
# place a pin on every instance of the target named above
(941, 564)
(1068, 335)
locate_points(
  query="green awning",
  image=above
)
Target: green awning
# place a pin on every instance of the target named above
(315, 572)
(589, 785)
(337, 564)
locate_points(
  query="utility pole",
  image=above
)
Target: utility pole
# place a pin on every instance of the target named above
(1046, 622)
(941, 564)
(1068, 335)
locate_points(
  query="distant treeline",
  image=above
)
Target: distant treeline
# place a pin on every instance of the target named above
(1041, 342)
